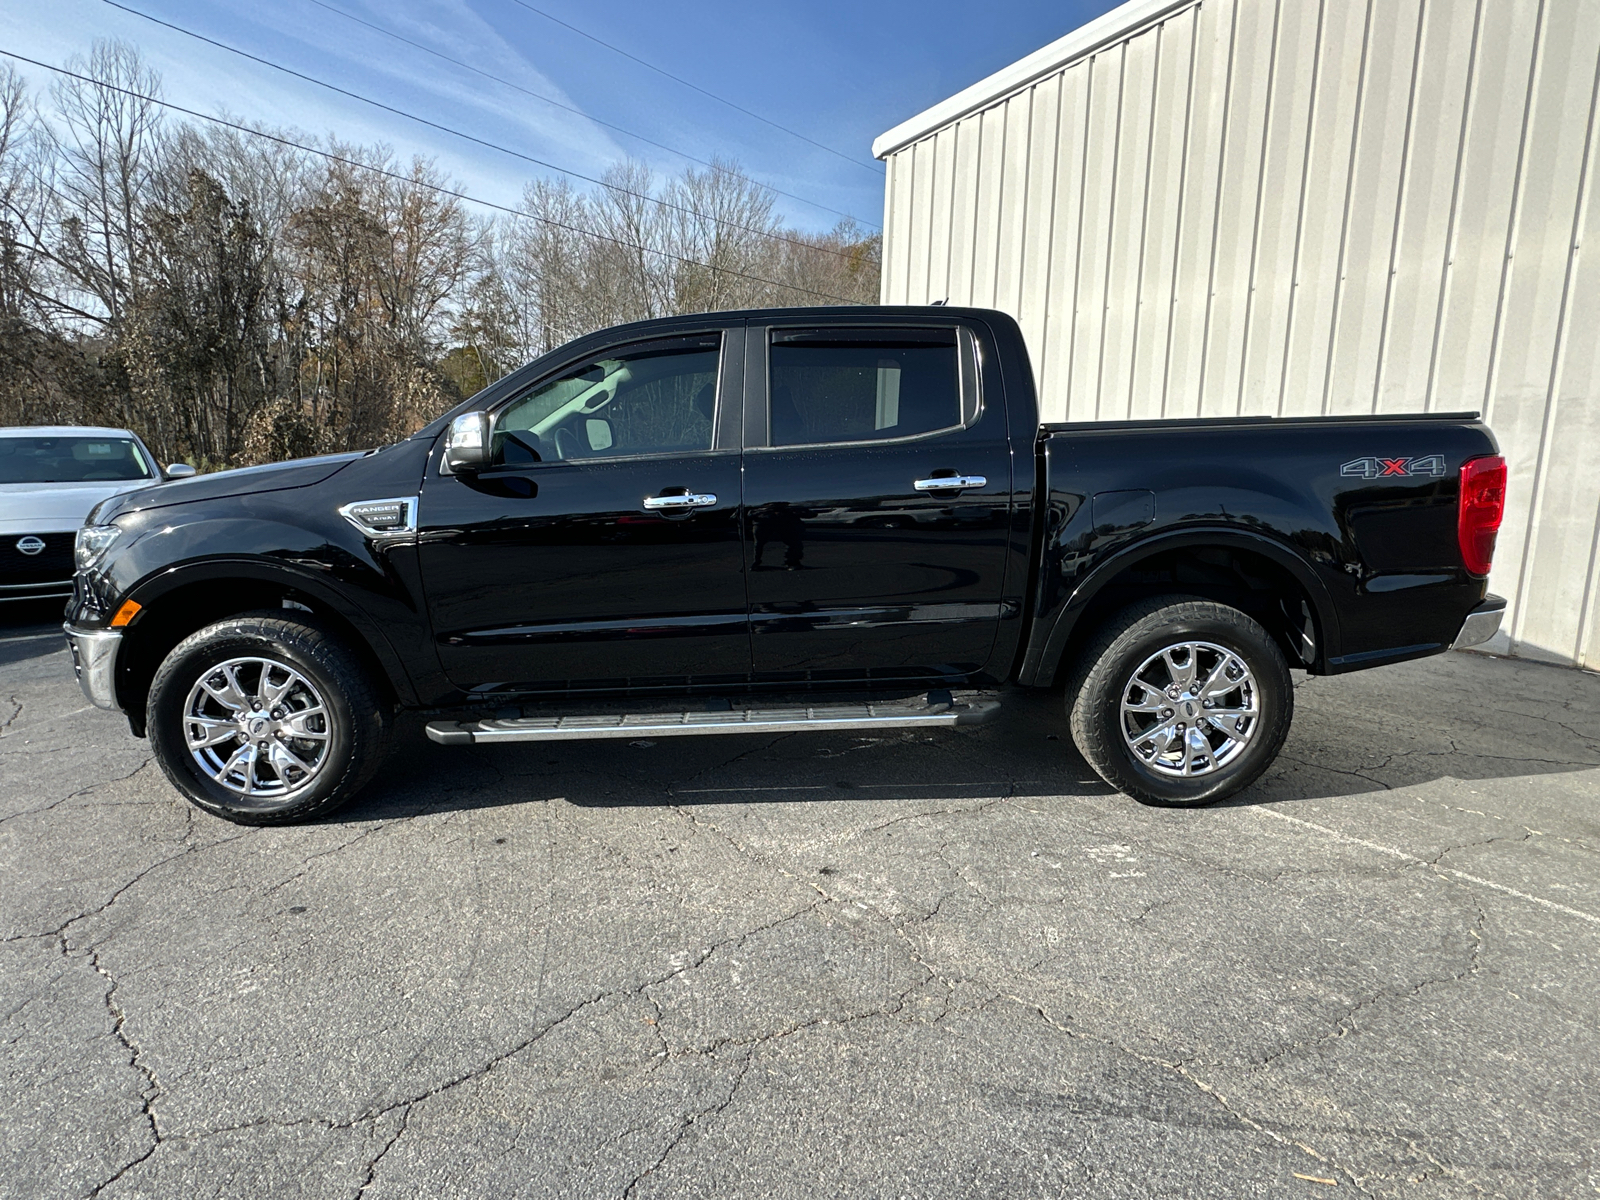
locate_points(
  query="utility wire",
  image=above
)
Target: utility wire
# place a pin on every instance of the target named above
(389, 33)
(539, 162)
(696, 87)
(431, 187)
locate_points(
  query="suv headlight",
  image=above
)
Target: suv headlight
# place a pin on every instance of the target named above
(92, 544)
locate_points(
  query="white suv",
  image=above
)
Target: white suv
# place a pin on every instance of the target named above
(50, 477)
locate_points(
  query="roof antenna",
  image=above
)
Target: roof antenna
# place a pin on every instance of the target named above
(937, 303)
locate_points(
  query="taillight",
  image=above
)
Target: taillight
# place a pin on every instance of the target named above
(1479, 509)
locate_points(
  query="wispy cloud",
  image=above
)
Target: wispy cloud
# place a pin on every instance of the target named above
(326, 46)
(425, 84)
(775, 61)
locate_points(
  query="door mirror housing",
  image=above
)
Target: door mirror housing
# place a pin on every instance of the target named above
(468, 445)
(178, 471)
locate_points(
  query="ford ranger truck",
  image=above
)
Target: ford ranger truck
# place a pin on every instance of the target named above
(771, 522)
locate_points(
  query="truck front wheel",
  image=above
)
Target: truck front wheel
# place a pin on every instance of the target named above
(263, 720)
(1180, 701)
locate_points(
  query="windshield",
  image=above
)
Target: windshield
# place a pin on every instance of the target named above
(71, 460)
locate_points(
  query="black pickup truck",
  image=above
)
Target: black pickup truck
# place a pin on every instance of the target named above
(777, 521)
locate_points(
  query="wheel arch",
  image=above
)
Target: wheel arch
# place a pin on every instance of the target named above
(176, 602)
(1252, 560)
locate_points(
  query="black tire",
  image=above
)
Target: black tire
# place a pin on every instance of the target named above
(1104, 675)
(353, 733)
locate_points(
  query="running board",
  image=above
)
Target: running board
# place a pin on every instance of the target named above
(820, 718)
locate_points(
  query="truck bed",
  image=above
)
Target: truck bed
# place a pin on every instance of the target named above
(1355, 513)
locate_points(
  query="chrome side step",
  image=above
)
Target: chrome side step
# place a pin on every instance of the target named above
(893, 714)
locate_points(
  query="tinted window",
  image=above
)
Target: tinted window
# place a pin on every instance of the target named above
(657, 398)
(846, 387)
(70, 460)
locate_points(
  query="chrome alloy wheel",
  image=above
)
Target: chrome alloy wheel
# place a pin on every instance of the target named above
(1190, 709)
(257, 727)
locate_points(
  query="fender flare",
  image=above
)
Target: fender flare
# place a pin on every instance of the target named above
(1047, 645)
(150, 589)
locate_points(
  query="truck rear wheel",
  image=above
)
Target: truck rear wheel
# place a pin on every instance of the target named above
(264, 720)
(1180, 701)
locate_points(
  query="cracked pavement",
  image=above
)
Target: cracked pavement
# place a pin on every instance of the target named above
(895, 965)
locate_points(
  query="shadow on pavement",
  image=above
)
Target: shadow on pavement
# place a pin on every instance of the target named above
(1026, 753)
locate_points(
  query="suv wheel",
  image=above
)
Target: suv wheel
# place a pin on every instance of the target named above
(1180, 701)
(263, 720)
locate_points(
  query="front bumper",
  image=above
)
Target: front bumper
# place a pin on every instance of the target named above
(94, 659)
(1482, 623)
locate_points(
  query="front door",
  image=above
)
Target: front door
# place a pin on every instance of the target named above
(877, 498)
(601, 549)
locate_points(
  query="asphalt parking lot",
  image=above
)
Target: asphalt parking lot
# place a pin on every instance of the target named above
(921, 966)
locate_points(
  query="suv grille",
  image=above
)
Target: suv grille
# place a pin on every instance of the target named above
(52, 563)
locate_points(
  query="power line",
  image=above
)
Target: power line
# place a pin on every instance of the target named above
(431, 187)
(431, 124)
(696, 87)
(389, 33)
(400, 112)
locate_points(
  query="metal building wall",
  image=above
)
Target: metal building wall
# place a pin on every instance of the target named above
(1300, 207)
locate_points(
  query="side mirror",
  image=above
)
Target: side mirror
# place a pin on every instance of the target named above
(179, 471)
(467, 445)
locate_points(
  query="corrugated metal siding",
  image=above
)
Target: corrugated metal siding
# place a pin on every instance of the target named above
(1300, 207)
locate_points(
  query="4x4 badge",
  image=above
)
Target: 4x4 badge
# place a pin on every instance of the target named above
(1380, 468)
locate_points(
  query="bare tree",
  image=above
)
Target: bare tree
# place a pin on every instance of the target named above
(22, 270)
(106, 146)
(723, 234)
(45, 377)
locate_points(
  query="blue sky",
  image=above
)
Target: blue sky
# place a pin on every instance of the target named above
(839, 72)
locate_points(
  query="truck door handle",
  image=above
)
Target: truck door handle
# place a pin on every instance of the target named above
(950, 483)
(680, 502)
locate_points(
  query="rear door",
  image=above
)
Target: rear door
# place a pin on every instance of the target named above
(877, 493)
(601, 551)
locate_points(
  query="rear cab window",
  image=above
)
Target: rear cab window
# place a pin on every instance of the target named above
(863, 384)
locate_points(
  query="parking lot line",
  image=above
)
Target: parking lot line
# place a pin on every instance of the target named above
(1412, 858)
